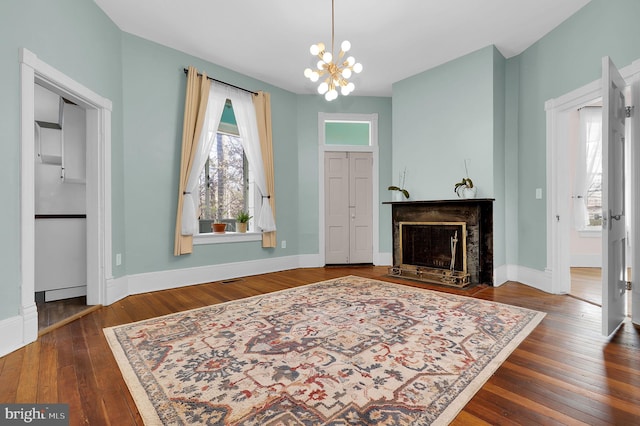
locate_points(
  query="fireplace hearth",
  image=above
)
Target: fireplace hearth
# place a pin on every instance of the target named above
(447, 242)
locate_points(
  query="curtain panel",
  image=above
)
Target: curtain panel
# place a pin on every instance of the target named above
(262, 105)
(204, 104)
(191, 207)
(195, 107)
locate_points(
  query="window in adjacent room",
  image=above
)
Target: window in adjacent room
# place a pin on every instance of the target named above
(588, 191)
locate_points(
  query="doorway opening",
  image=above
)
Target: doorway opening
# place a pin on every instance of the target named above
(349, 140)
(584, 174)
(97, 123)
(559, 113)
(60, 207)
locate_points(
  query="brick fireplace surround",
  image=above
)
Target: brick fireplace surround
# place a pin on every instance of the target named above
(476, 213)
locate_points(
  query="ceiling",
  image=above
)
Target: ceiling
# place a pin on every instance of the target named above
(269, 39)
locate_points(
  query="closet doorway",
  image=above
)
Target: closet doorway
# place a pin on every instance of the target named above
(97, 120)
(348, 206)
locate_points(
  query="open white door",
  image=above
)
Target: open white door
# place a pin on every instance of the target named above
(634, 152)
(613, 226)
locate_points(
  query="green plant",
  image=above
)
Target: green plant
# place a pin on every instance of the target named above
(395, 188)
(465, 183)
(243, 217)
(400, 188)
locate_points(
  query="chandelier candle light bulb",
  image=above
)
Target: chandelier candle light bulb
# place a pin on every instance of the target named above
(338, 73)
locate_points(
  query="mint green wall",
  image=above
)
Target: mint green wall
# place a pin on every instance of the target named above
(446, 115)
(154, 86)
(308, 108)
(75, 37)
(499, 165)
(567, 58)
(440, 118)
(512, 88)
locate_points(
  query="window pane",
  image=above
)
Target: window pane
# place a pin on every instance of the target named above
(594, 170)
(223, 183)
(346, 133)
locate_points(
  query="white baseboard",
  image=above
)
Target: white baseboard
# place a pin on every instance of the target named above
(19, 331)
(500, 275)
(586, 260)
(531, 277)
(164, 280)
(310, 261)
(383, 259)
(65, 293)
(117, 289)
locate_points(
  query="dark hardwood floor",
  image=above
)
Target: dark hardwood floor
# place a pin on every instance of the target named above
(563, 373)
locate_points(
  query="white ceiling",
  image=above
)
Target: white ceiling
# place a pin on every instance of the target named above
(269, 39)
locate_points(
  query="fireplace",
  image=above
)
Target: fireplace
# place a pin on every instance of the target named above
(446, 242)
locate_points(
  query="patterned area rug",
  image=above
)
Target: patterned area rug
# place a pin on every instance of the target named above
(348, 351)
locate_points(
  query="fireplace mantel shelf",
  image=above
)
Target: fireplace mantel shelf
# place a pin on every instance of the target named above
(455, 200)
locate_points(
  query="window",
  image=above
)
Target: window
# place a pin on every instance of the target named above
(347, 132)
(588, 192)
(224, 180)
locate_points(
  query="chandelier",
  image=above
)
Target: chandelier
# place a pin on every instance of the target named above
(337, 73)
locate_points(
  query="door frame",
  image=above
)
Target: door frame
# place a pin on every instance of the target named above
(372, 119)
(98, 182)
(558, 191)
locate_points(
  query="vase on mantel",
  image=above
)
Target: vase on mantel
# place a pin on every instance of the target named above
(467, 193)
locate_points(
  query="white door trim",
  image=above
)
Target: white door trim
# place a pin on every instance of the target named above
(375, 198)
(558, 191)
(98, 110)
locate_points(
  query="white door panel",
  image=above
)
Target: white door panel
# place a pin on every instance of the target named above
(613, 228)
(361, 244)
(336, 207)
(348, 207)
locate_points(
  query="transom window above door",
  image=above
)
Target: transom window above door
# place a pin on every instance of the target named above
(347, 133)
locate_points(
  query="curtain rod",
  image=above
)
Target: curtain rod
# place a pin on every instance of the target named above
(186, 71)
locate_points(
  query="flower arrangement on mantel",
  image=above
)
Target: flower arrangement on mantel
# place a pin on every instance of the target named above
(400, 188)
(465, 188)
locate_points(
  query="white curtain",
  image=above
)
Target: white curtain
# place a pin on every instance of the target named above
(589, 162)
(248, 128)
(215, 106)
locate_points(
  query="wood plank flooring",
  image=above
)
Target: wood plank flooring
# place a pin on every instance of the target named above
(563, 373)
(586, 284)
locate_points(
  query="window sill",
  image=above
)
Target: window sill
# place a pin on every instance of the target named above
(227, 237)
(590, 233)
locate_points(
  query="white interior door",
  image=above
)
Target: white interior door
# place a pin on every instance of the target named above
(360, 193)
(348, 207)
(635, 205)
(336, 176)
(613, 227)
